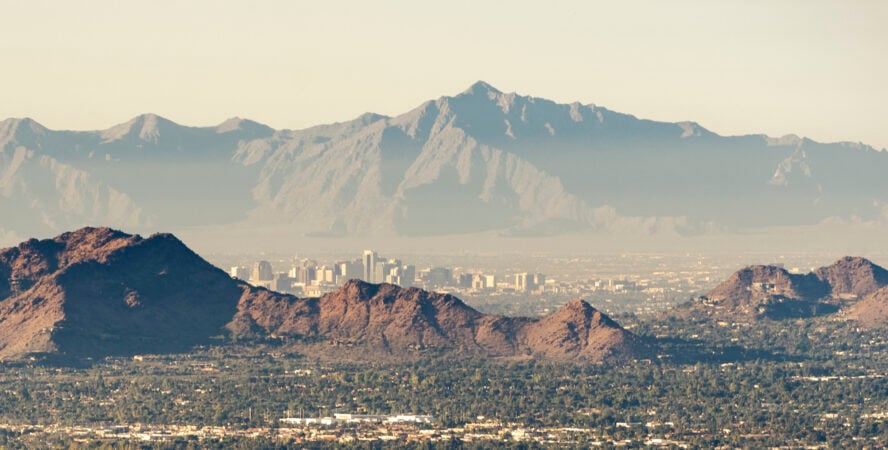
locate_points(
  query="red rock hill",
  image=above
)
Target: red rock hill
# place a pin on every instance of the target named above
(97, 291)
(771, 292)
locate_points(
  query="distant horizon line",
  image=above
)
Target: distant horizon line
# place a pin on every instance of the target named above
(477, 84)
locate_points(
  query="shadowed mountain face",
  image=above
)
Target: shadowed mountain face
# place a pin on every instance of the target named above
(482, 160)
(771, 292)
(97, 291)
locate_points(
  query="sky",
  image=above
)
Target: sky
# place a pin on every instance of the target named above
(808, 67)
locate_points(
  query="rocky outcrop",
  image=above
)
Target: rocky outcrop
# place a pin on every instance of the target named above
(853, 277)
(758, 292)
(755, 282)
(579, 331)
(771, 292)
(97, 291)
(385, 317)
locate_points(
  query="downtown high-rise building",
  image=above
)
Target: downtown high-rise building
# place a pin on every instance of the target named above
(369, 261)
(262, 271)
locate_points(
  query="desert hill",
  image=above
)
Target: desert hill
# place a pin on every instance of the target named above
(97, 291)
(389, 318)
(853, 277)
(757, 292)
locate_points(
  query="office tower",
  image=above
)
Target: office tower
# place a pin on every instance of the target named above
(369, 261)
(262, 271)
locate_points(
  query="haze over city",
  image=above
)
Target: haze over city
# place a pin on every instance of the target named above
(461, 225)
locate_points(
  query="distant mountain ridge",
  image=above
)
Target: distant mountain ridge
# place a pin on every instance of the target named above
(479, 161)
(97, 291)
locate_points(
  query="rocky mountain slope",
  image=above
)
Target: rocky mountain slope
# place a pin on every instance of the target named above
(146, 173)
(388, 318)
(853, 277)
(478, 161)
(771, 292)
(97, 291)
(872, 311)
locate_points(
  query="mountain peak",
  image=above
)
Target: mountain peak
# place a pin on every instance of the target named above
(481, 87)
(22, 122)
(370, 117)
(115, 293)
(88, 243)
(239, 124)
(853, 275)
(853, 261)
(359, 289)
(231, 124)
(92, 233)
(581, 311)
(577, 305)
(579, 331)
(146, 127)
(150, 120)
(20, 127)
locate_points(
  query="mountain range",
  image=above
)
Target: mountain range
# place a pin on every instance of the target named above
(97, 291)
(481, 161)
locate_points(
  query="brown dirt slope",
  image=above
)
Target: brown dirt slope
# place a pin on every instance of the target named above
(872, 311)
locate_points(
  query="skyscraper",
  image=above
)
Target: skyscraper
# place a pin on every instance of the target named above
(348, 270)
(239, 272)
(262, 271)
(408, 275)
(369, 260)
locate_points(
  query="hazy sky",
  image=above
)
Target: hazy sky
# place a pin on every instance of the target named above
(814, 68)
